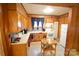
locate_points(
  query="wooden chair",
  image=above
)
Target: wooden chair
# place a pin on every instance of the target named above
(51, 48)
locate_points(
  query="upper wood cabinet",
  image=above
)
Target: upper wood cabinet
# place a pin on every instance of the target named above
(15, 13)
(13, 19)
(24, 21)
(48, 19)
(63, 19)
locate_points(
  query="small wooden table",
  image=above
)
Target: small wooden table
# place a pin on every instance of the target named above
(49, 45)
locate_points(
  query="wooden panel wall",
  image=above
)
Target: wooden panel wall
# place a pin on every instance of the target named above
(62, 19)
(20, 9)
(1, 33)
(76, 41)
(73, 32)
(47, 19)
(50, 19)
(6, 29)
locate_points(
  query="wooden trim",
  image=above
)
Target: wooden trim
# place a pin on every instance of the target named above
(69, 5)
(24, 9)
(43, 15)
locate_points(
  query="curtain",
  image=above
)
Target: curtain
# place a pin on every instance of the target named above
(38, 20)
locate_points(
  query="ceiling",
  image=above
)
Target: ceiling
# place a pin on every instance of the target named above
(38, 9)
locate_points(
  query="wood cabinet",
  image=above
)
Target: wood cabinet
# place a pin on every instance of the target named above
(13, 21)
(15, 13)
(24, 21)
(38, 36)
(19, 49)
(22, 16)
(48, 19)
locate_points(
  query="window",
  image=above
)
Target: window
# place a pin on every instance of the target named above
(37, 23)
(40, 24)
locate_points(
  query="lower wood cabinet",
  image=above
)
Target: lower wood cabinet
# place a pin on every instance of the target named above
(38, 36)
(19, 49)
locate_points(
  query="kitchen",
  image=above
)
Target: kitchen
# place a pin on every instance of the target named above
(27, 25)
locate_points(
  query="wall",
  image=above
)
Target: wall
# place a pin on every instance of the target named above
(76, 41)
(62, 19)
(1, 39)
(4, 28)
(7, 28)
(73, 31)
(47, 19)
(51, 19)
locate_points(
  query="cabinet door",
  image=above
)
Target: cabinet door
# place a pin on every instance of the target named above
(23, 20)
(19, 50)
(13, 21)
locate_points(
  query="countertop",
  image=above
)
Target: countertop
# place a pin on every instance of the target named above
(25, 37)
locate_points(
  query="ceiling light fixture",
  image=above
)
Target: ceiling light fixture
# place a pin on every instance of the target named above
(48, 10)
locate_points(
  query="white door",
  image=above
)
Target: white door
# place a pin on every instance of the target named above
(63, 34)
(62, 43)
